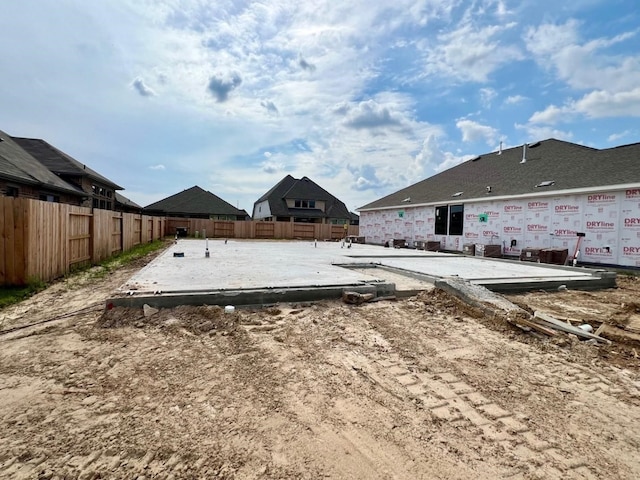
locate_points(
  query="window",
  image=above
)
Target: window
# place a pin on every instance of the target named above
(442, 214)
(305, 203)
(456, 217)
(13, 192)
(49, 198)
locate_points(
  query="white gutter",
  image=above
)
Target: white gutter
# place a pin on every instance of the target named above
(543, 193)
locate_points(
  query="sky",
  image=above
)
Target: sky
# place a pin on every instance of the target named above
(364, 97)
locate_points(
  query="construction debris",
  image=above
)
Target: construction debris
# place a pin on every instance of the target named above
(554, 323)
(493, 303)
(356, 298)
(149, 310)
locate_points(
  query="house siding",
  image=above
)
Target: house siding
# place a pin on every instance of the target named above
(610, 220)
(261, 210)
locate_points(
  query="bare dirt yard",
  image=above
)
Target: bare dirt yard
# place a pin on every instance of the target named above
(421, 388)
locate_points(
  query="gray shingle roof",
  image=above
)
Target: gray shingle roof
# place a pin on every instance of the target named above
(195, 201)
(567, 165)
(302, 189)
(59, 162)
(122, 200)
(19, 166)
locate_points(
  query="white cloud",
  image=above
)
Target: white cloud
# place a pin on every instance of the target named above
(368, 115)
(432, 156)
(601, 104)
(487, 95)
(157, 167)
(551, 115)
(583, 65)
(596, 104)
(514, 99)
(277, 69)
(501, 9)
(548, 39)
(614, 137)
(537, 132)
(470, 52)
(474, 131)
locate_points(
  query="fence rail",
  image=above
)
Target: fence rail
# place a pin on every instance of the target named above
(44, 240)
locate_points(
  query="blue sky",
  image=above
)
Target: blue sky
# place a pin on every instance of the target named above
(363, 97)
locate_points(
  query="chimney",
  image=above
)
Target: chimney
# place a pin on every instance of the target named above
(524, 153)
(500, 151)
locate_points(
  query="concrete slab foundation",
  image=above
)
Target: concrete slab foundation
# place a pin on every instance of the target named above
(240, 272)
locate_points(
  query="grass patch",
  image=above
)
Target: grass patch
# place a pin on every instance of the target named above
(117, 261)
(11, 295)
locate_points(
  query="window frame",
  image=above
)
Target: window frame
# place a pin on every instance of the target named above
(440, 217)
(456, 219)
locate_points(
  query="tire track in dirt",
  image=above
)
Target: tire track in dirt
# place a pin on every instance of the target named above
(109, 464)
(450, 399)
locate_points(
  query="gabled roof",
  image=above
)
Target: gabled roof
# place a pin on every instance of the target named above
(59, 162)
(562, 165)
(19, 166)
(195, 201)
(302, 189)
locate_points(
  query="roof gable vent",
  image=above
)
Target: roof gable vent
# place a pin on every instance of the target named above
(546, 183)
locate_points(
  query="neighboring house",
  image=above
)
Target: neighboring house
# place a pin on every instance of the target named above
(539, 195)
(123, 204)
(196, 203)
(300, 200)
(99, 190)
(21, 175)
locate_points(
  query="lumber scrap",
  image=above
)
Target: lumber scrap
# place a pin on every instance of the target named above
(549, 321)
(617, 333)
(535, 325)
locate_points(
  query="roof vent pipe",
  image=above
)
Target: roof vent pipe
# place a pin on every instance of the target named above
(500, 150)
(524, 153)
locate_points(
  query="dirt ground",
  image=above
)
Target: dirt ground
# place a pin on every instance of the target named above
(421, 388)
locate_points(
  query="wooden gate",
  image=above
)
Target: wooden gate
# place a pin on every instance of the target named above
(304, 230)
(80, 238)
(265, 230)
(223, 229)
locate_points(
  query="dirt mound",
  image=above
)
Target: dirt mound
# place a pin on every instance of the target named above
(205, 319)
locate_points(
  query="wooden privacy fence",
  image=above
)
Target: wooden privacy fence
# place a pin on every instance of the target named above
(263, 230)
(43, 240)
